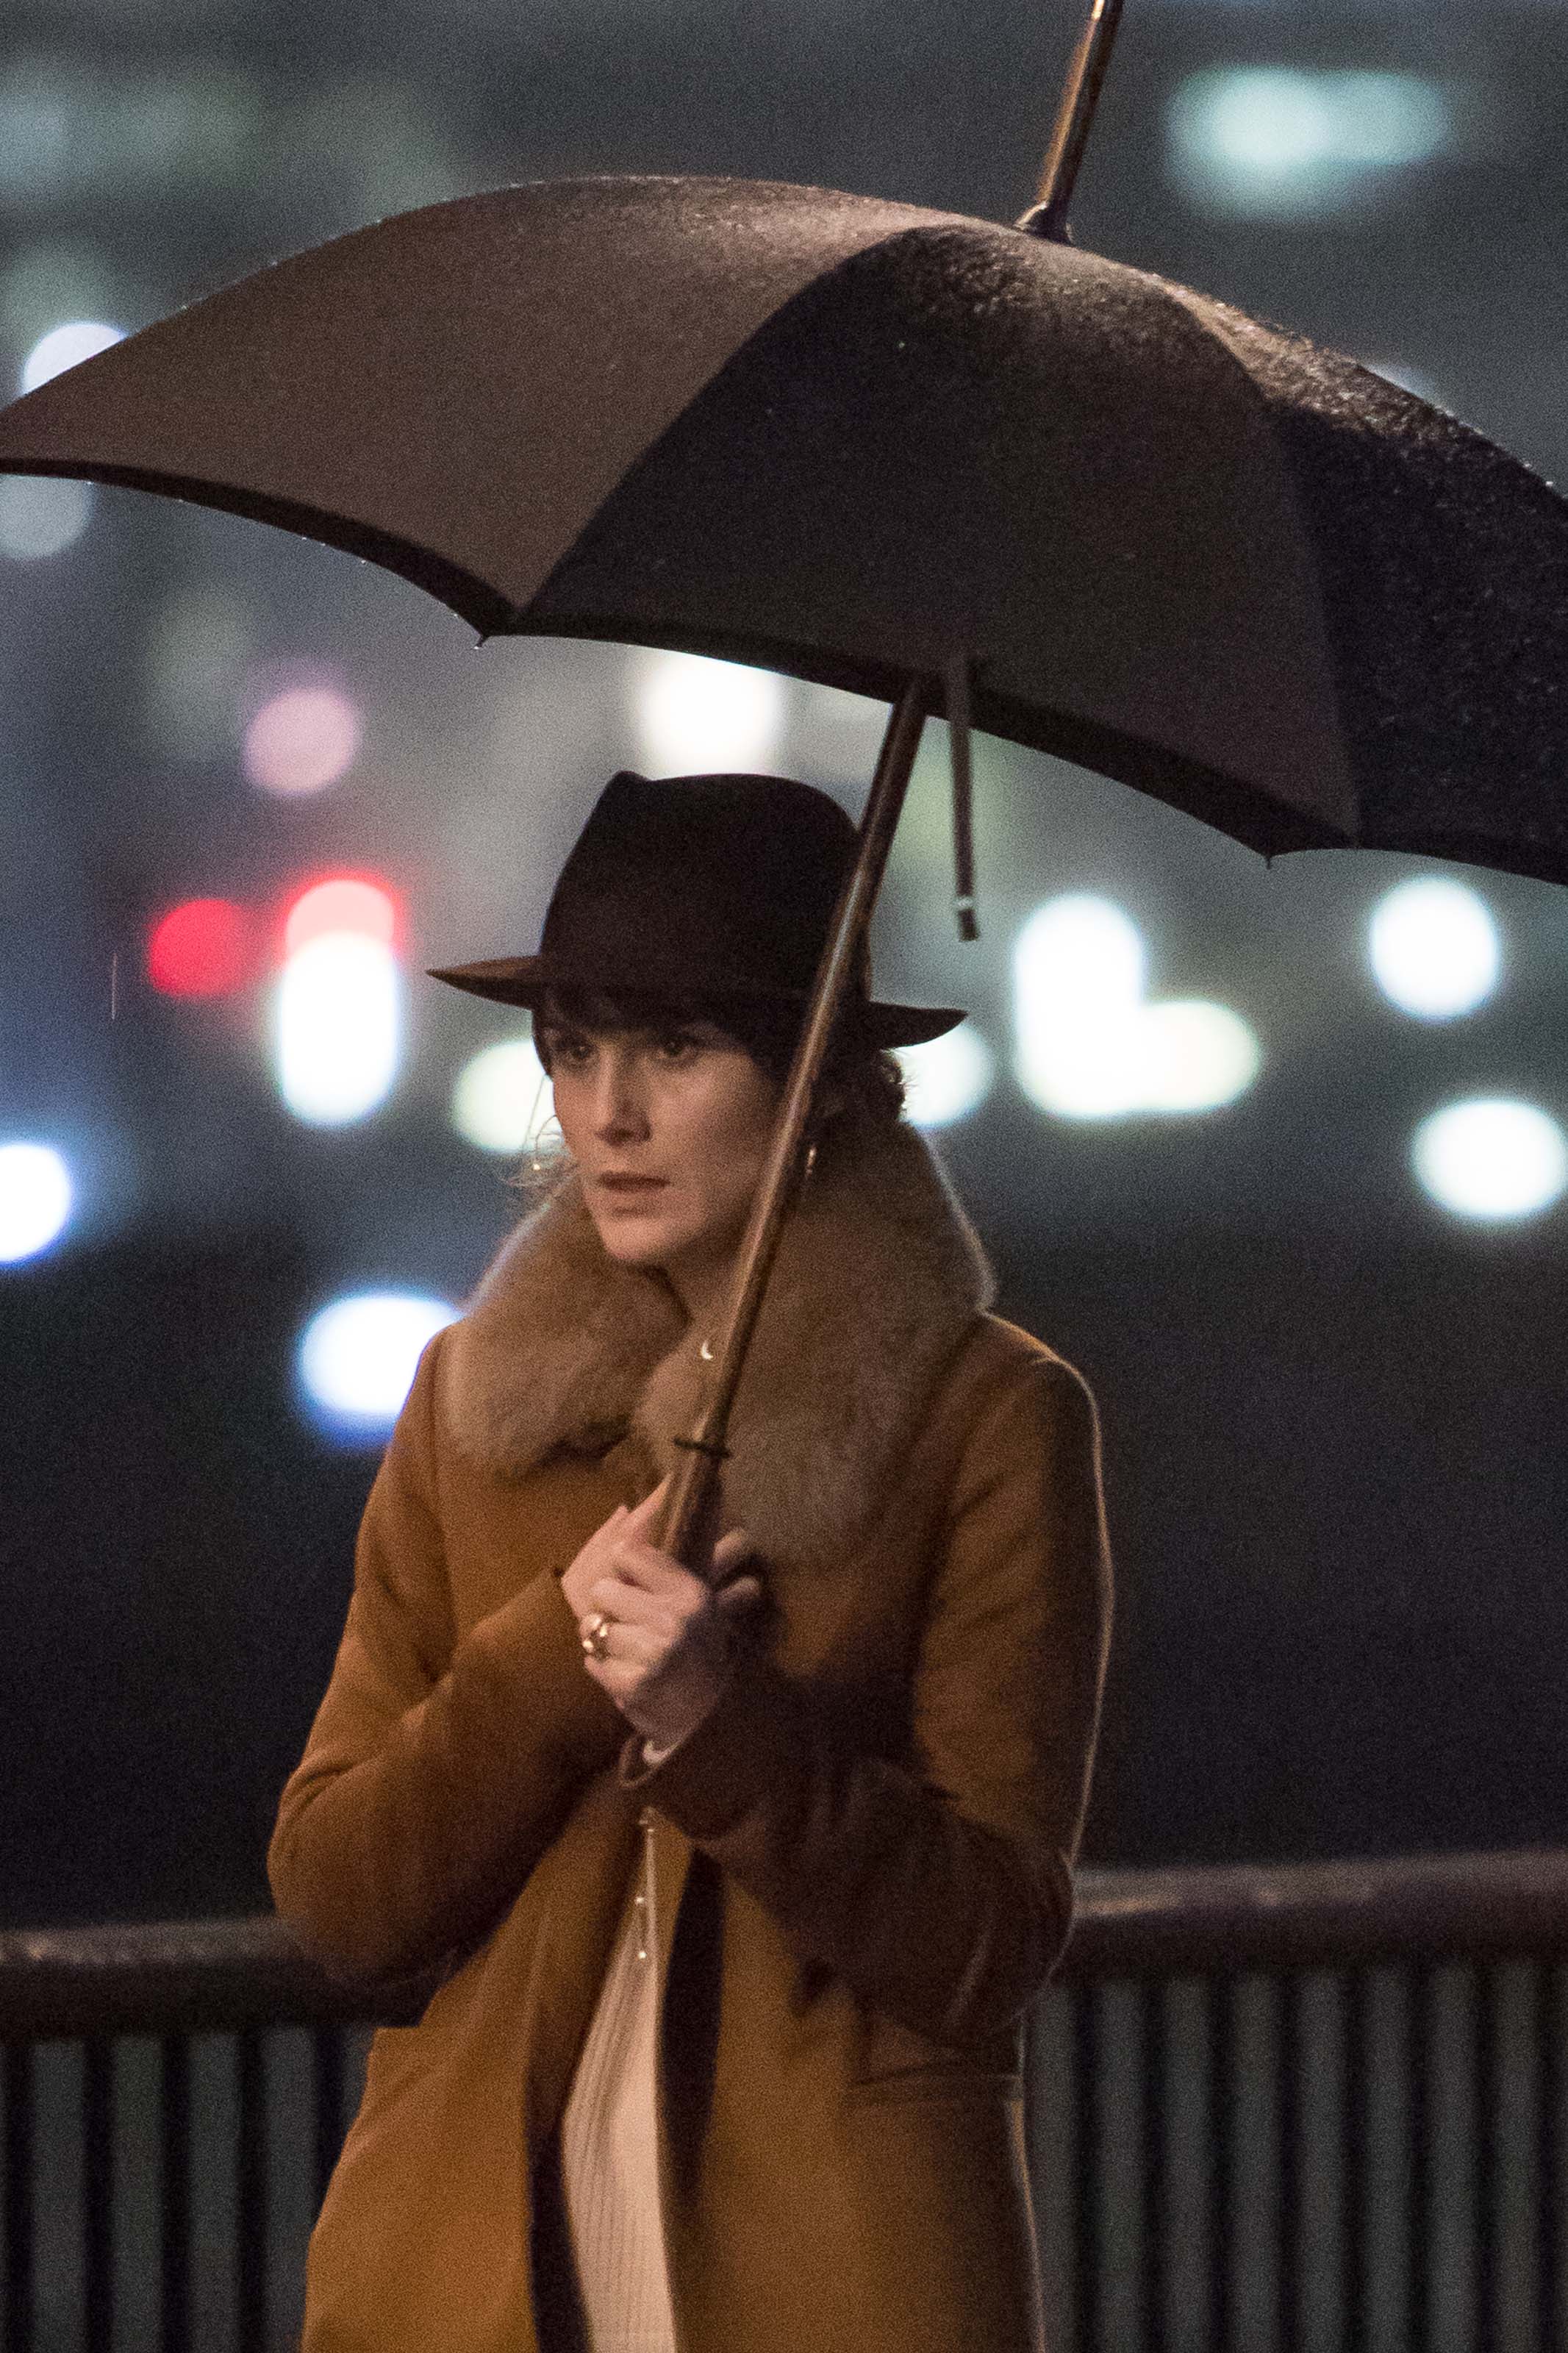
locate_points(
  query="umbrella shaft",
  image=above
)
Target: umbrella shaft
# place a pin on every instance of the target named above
(695, 1481)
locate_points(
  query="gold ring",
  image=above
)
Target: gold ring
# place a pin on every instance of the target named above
(595, 1634)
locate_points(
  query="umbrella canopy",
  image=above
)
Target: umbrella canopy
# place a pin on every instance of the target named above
(858, 440)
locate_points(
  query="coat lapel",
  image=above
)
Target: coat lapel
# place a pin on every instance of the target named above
(879, 1276)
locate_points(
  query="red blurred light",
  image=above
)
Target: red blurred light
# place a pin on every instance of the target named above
(202, 948)
(345, 903)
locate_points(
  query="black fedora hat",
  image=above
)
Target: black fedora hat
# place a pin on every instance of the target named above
(713, 887)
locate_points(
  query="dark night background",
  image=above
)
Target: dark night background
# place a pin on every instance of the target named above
(1333, 1411)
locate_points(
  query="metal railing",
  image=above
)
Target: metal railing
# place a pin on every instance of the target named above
(1271, 2110)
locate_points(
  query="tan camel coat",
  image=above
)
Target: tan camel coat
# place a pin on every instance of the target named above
(863, 1854)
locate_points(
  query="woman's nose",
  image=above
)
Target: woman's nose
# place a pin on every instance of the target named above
(620, 1116)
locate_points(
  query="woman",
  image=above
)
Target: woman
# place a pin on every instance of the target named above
(734, 1888)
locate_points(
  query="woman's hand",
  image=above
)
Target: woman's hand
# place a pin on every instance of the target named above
(666, 1644)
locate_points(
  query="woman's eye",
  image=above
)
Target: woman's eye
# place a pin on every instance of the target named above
(574, 1051)
(677, 1045)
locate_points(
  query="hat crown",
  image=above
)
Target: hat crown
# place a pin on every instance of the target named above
(721, 884)
(713, 887)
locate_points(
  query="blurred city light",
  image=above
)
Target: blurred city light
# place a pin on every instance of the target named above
(201, 642)
(1491, 1159)
(40, 516)
(347, 903)
(36, 1199)
(202, 948)
(357, 1357)
(502, 1101)
(1089, 1046)
(74, 131)
(1194, 1057)
(66, 347)
(1289, 144)
(1434, 948)
(1079, 969)
(302, 740)
(692, 716)
(947, 1078)
(338, 1008)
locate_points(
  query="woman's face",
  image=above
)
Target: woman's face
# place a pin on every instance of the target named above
(669, 1129)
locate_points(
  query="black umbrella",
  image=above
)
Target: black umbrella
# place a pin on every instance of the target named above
(854, 440)
(905, 452)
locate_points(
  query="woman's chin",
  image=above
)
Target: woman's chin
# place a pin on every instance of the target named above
(629, 1247)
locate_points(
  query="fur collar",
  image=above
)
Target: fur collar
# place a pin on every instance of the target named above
(878, 1275)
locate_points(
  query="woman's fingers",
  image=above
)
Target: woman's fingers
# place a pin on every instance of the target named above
(644, 1515)
(640, 1604)
(643, 1564)
(731, 1551)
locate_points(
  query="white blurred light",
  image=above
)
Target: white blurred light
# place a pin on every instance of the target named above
(502, 1101)
(947, 1078)
(67, 347)
(1079, 969)
(41, 516)
(697, 717)
(1195, 1057)
(1080, 947)
(302, 740)
(1434, 948)
(338, 1027)
(1491, 1159)
(1089, 1046)
(357, 1359)
(36, 1199)
(1286, 143)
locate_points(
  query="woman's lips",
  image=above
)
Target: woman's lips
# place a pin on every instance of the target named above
(632, 1185)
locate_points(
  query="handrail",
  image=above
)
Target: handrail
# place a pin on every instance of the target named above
(207, 1975)
(1277, 1917)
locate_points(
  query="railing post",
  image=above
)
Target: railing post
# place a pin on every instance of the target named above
(1355, 2270)
(174, 2194)
(97, 2191)
(251, 2192)
(1155, 2235)
(1221, 2160)
(20, 2082)
(1549, 2185)
(1420, 1994)
(1487, 2138)
(1288, 2215)
(1087, 2168)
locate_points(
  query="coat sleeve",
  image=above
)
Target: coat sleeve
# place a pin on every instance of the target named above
(938, 1889)
(436, 1771)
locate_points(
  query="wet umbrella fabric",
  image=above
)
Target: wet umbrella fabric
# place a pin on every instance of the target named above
(855, 440)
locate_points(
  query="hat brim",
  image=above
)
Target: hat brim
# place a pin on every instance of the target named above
(524, 980)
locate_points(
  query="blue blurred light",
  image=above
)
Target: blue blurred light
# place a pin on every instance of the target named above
(67, 347)
(357, 1359)
(1288, 144)
(36, 1199)
(40, 516)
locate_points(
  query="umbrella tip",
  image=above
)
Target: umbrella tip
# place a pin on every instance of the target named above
(1046, 217)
